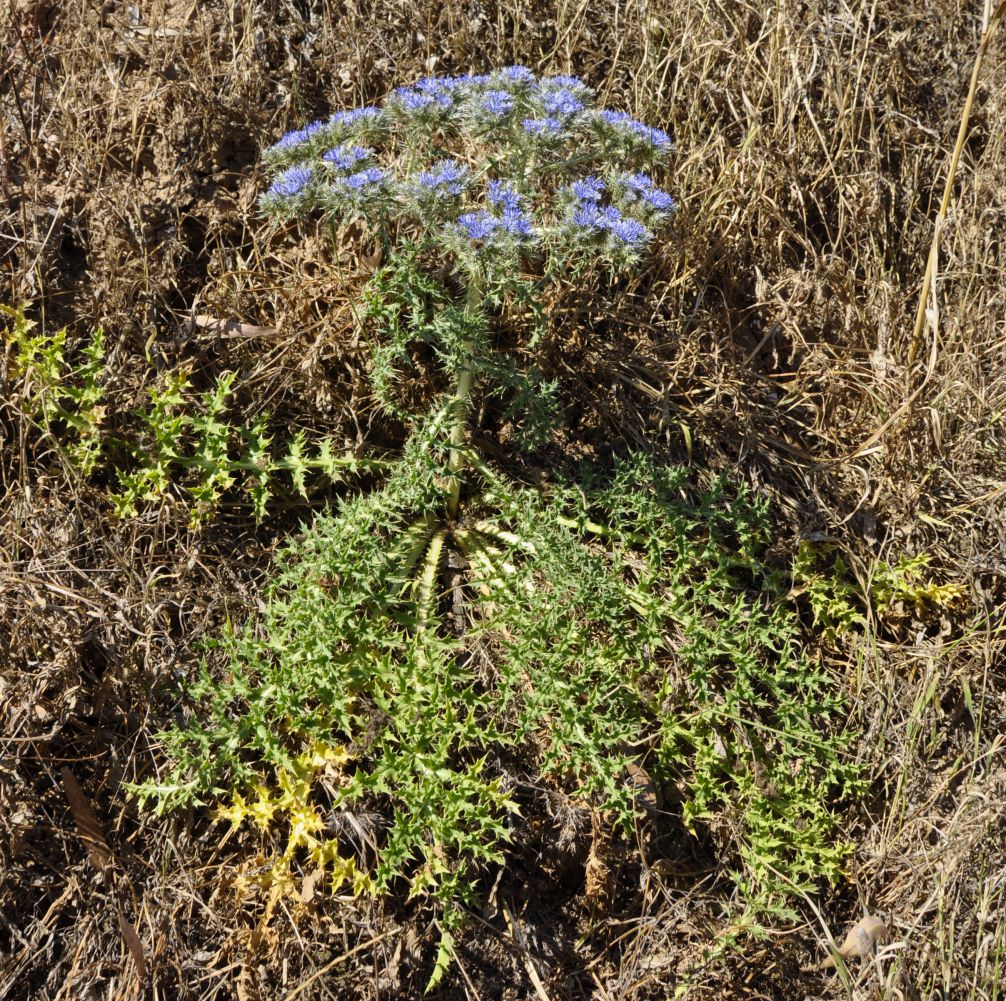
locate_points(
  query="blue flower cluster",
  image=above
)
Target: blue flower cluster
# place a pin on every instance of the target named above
(496, 103)
(588, 189)
(561, 103)
(543, 126)
(557, 102)
(432, 98)
(478, 225)
(290, 183)
(509, 219)
(418, 100)
(553, 102)
(363, 180)
(298, 136)
(356, 117)
(642, 188)
(517, 133)
(517, 74)
(508, 203)
(573, 83)
(593, 219)
(589, 218)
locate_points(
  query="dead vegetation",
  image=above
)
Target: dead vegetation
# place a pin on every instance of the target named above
(771, 337)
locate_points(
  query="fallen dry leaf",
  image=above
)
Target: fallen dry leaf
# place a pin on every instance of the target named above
(598, 887)
(644, 790)
(102, 857)
(132, 941)
(87, 823)
(232, 328)
(863, 938)
(309, 887)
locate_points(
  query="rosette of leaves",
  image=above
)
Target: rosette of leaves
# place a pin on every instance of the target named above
(608, 624)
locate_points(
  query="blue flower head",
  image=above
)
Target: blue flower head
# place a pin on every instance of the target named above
(356, 117)
(291, 182)
(292, 140)
(297, 136)
(591, 216)
(517, 74)
(500, 193)
(593, 220)
(481, 226)
(414, 100)
(629, 231)
(588, 189)
(369, 178)
(460, 82)
(514, 222)
(429, 98)
(542, 126)
(641, 186)
(346, 157)
(448, 178)
(497, 103)
(437, 86)
(561, 103)
(616, 119)
(573, 83)
(660, 200)
(478, 225)
(656, 139)
(638, 183)
(588, 216)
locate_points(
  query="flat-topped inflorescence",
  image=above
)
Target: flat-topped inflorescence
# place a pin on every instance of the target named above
(436, 157)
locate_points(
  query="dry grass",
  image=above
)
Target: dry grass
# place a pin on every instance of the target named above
(771, 337)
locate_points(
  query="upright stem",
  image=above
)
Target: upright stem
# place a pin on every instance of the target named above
(463, 391)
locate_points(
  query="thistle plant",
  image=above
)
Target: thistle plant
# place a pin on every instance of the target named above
(66, 399)
(423, 633)
(180, 446)
(509, 182)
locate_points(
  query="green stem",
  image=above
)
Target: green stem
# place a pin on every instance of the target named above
(460, 405)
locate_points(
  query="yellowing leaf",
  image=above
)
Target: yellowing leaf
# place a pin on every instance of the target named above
(319, 755)
(296, 790)
(235, 813)
(423, 880)
(324, 852)
(263, 809)
(343, 871)
(304, 822)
